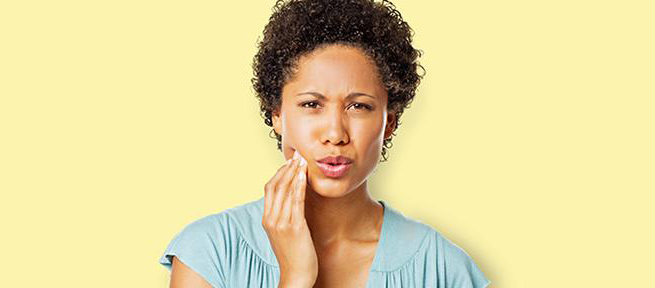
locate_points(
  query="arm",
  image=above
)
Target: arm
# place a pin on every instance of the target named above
(183, 277)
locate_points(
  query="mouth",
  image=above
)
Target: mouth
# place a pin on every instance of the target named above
(334, 170)
(339, 159)
(334, 166)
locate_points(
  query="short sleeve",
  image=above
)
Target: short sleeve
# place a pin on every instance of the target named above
(461, 270)
(203, 246)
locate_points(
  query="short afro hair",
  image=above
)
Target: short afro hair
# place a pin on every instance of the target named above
(298, 27)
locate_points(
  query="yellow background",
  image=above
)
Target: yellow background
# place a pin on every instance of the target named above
(529, 144)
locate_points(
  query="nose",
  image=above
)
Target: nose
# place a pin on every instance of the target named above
(335, 128)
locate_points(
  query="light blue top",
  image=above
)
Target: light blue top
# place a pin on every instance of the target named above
(231, 249)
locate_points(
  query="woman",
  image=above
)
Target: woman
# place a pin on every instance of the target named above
(333, 78)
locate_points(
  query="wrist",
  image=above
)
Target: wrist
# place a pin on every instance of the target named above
(295, 283)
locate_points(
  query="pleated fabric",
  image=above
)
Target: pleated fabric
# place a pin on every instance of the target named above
(231, 249)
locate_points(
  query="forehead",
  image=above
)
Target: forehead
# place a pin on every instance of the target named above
(336, 69)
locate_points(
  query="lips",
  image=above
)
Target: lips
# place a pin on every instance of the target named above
(339, 159)
(334, 166)
(333, 171)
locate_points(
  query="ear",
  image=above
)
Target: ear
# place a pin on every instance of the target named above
(277, 125)
(391, 123)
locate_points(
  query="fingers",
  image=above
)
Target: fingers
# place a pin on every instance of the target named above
(282, 186)
(269, 188)
(298, 207)
(289, 201)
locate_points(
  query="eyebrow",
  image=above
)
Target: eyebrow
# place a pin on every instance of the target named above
(351, 95)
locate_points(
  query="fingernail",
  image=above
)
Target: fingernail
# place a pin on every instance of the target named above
(301, 177)
(303, 162)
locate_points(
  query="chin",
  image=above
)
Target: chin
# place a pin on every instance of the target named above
(330, 188)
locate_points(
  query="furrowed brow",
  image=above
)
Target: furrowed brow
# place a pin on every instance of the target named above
(351, 95)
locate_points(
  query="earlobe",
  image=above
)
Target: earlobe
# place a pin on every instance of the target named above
(391, 122)
(276, 122)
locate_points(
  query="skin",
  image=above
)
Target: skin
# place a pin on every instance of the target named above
(324, 231)
(344, 220)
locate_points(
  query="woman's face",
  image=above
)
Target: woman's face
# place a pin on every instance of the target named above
(334, 105)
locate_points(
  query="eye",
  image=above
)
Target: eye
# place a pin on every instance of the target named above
(362, 105)
(310, 102)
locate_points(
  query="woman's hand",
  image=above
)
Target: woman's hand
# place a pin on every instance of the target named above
(286, 227)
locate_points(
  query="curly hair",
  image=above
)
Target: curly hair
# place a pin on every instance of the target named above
(298, 27)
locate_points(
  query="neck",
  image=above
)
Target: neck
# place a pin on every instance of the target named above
(355, 217)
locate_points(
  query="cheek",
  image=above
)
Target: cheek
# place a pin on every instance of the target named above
(368, 139)
(296, 133)
(368, 131)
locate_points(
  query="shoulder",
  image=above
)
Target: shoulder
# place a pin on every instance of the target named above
(208, 230)
(208, 245)
(203, 247)
(229, 230)
(227, 226)
(235, 221)
(418, 244)
(207, 225)
(402, 239)
(455, 265)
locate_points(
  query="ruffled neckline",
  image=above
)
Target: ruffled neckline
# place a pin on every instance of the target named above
(400, 237)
